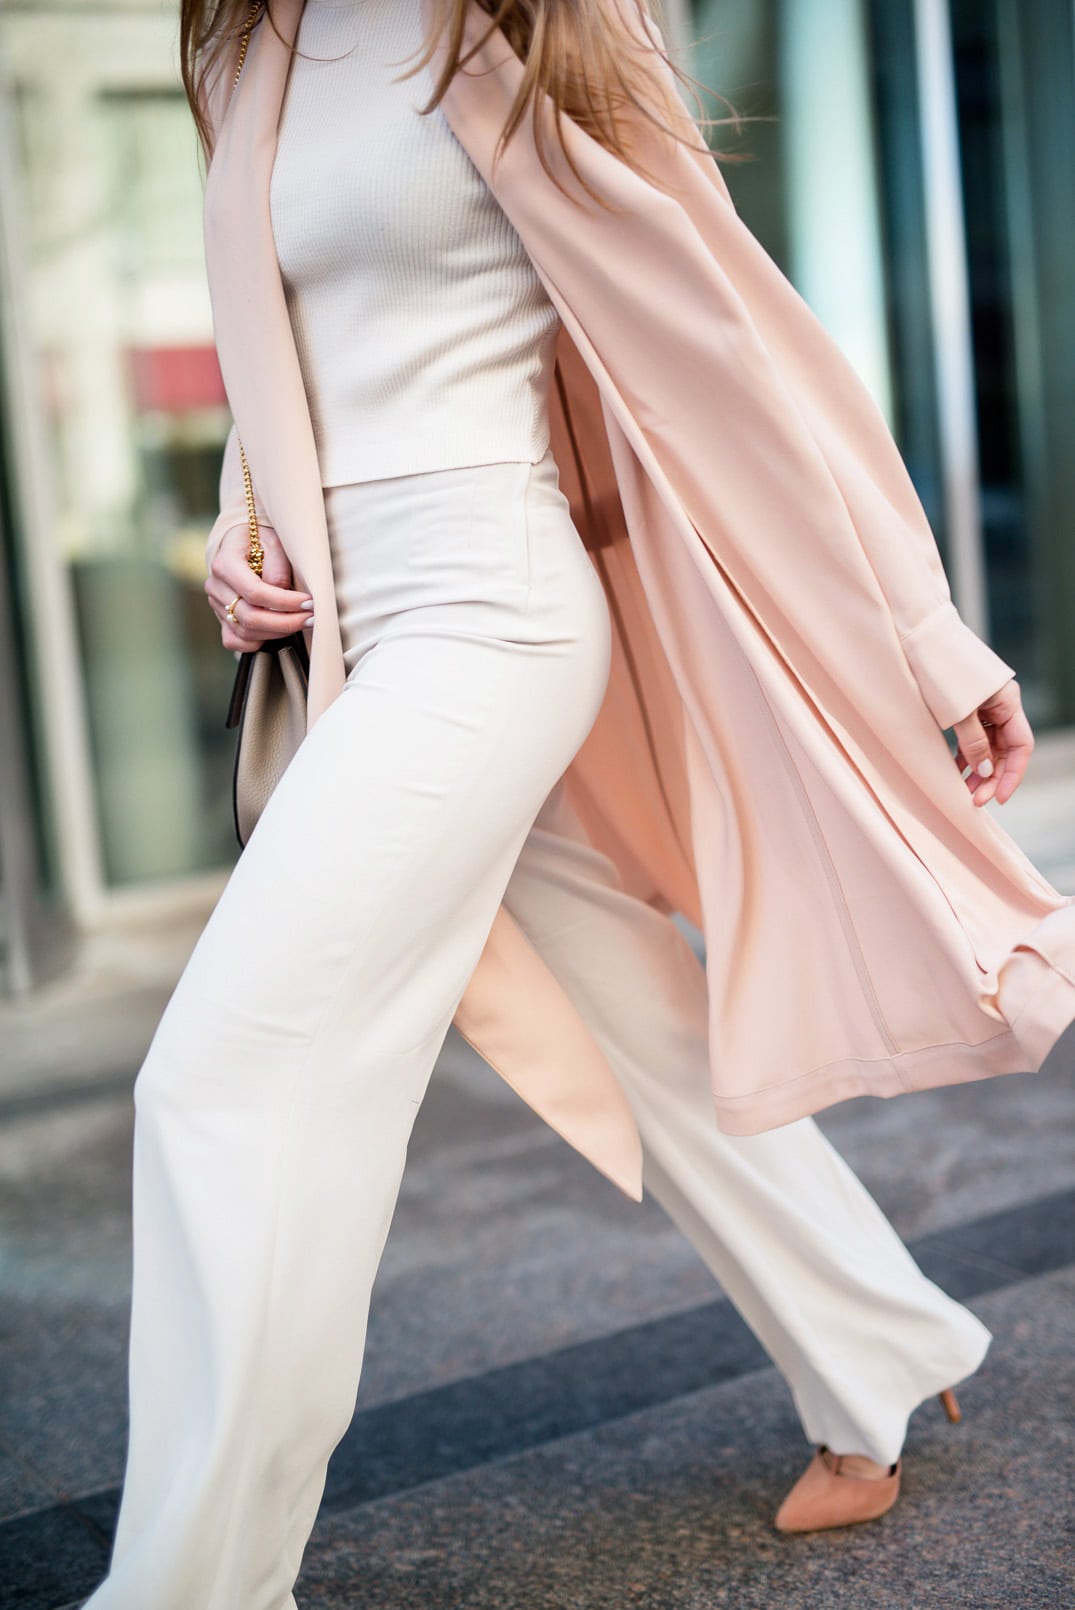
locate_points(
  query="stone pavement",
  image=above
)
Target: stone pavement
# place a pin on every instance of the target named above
(558, 1410)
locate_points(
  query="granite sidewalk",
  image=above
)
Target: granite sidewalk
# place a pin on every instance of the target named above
(559, 1410)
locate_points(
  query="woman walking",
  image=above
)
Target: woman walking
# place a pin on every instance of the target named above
(619, 603)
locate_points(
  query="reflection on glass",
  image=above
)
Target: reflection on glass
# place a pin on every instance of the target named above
(832, 74)
(111, 190)
(118, 315)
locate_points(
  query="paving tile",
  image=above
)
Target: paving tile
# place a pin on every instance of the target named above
(487, 1422)
(941, 1157)
(511, 1240)
(670, 1509)
(519, 1246)
(22, 1487)
(48, 1557)
(541, 1273)
(63, 1407)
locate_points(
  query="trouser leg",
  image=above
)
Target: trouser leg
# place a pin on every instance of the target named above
(275, 1105)
(796, 1241)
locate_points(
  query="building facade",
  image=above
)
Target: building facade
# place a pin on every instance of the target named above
(908, 162)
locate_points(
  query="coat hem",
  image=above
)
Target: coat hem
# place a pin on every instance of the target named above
(1043, 1016)
(627, 1179)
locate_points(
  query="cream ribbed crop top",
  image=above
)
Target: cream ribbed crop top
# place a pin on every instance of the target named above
(424, 334)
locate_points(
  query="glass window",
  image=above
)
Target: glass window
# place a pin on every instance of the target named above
(119, 317)
(839, 73)
(769, 59)
(1015, 78)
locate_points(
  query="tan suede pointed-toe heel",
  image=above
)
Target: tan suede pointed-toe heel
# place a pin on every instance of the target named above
(950, 1405)
(833, 1491)
(845, 1489)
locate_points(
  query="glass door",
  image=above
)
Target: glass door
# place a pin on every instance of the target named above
(104, 190)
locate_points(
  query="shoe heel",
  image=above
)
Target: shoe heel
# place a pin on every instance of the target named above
(950, 1405)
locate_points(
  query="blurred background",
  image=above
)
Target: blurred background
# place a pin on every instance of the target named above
(562, 1408)
(912, 168)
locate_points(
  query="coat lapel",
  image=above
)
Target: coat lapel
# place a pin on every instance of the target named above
(255, 345)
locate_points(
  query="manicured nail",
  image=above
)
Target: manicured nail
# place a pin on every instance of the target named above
(985, 768)
(307, 603)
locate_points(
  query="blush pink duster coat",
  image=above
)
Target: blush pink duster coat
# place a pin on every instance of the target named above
(770, 757)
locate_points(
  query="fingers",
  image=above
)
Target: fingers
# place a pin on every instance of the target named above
(982, 789)
(976, 751)
(232, 639)
(995, 743)
(262, 607)
(232, 575)
(1006, 702)
(1016, 741)
(275, 565)
(250, 621)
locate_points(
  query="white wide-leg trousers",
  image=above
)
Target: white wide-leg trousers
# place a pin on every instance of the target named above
(277, 1098)
(799, 1245)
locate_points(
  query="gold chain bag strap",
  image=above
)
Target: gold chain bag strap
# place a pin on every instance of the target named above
(269, 695)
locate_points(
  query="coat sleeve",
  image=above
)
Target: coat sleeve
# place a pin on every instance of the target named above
(778, 344)
(214, 92)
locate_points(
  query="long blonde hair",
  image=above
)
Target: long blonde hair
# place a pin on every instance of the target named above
(580, 53)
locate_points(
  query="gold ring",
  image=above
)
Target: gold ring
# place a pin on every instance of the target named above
(229, 613)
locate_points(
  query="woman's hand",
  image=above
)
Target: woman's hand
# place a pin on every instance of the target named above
(264, 606)
(996, 743)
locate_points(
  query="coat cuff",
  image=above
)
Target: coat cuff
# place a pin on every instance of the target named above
(955, 670)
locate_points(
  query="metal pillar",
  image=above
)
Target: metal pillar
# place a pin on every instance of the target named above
(829, 154)
(54, 671)
(950, 309)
